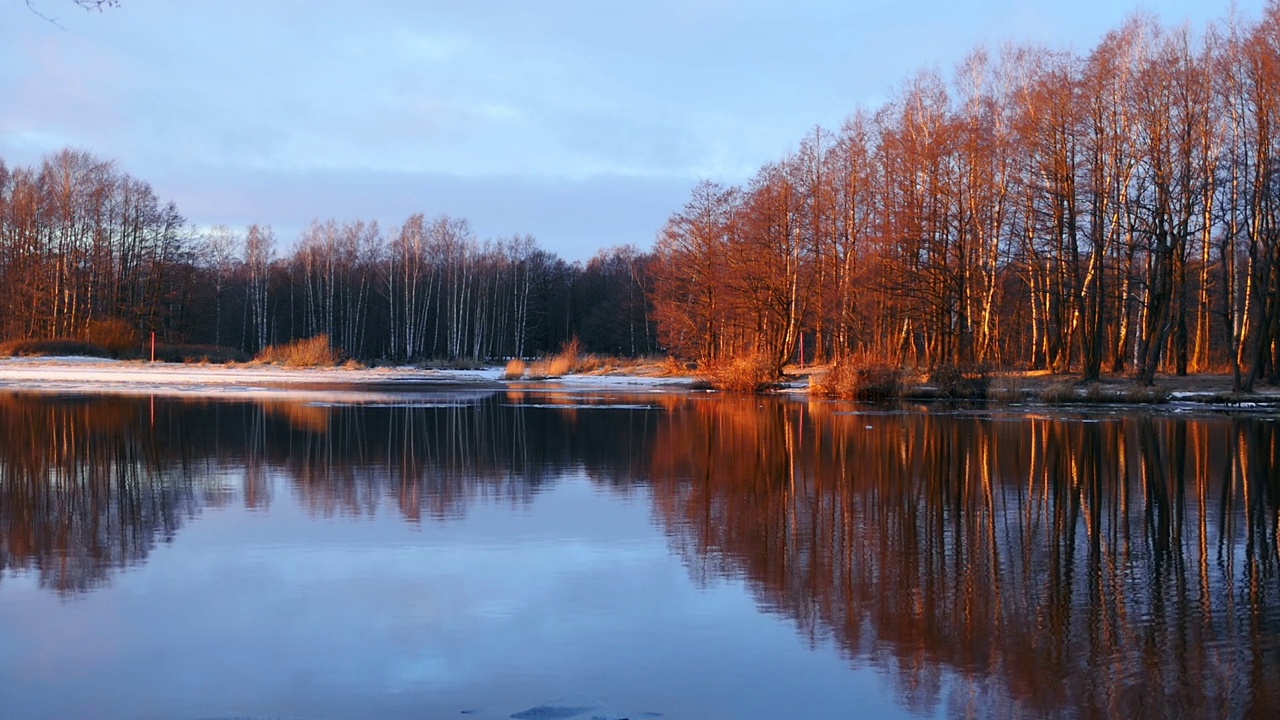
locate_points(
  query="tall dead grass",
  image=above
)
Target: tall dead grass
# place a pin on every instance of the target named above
(745, 374)
(568, 360)
(311, 352)
(860, 379)
(515, 370)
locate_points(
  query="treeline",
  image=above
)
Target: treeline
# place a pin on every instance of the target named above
(1112, 211)
(88, 251)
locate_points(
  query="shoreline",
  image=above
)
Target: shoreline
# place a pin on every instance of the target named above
(97, 376)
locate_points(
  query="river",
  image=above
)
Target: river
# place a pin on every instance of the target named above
(678, 555)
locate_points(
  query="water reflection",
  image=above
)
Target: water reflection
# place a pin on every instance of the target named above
(989, 563)
(90, 485)
(84, 490)
(1122, 566)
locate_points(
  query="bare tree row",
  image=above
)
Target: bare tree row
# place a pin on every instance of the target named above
(85, 247)
(1117, 210)
(428, 289)
(81, 242)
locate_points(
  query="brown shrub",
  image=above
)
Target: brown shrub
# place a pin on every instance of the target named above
(961, 383)
(746, 374)
(114, 335)
(855, 381)
(312, 352)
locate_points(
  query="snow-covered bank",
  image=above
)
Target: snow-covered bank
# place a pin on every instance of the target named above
(78, 375)
(92, 375)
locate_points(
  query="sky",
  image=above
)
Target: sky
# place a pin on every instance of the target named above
(583, 123)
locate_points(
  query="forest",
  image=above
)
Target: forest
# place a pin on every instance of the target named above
(89, 252)
(1111, 211)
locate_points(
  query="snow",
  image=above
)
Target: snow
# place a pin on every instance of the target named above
(93, 375)
(78, 375)
(606, 382)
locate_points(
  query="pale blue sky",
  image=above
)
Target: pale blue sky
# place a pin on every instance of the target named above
(582, 123)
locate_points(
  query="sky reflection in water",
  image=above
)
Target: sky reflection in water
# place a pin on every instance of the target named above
(699, 557)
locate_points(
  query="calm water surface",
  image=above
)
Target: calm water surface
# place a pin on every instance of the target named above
(675, 556)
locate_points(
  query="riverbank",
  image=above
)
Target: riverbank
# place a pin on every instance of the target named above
(80, 375)
(1203, 390)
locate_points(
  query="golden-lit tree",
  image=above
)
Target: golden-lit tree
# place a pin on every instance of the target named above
(1038, 209)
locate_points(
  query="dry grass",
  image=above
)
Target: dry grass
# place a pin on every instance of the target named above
(671, 367)
(851, 380)
(515, 369)
(571, 361)
(1007, 388)
(568, 360)
(312, 352)
(550, 367)
(1059, 393)
(746, 374)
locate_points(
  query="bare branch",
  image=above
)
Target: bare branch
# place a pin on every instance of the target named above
(88, 5)
(98, 5)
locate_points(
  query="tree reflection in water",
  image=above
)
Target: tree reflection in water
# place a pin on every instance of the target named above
(1113, 566)
(1043, 564)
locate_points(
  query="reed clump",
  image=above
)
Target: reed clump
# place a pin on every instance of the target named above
(568, 360)
(311, 352)
(515, 369)
(744, 374)
(874, 381)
